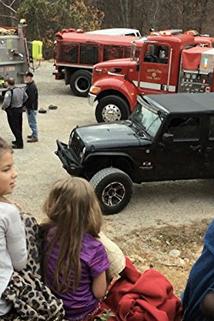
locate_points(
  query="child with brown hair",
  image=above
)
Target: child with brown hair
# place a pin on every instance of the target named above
(13, 250)
(75, 261)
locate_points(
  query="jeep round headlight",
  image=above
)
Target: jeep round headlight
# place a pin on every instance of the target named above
(82, 153)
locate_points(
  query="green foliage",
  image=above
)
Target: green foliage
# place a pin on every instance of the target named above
(46, 17)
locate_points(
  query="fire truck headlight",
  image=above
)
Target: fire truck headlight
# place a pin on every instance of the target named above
(95, 90)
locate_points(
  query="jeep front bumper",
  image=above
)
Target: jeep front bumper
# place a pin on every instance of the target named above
(68, 158)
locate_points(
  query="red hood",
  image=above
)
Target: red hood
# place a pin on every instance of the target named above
(127, 62)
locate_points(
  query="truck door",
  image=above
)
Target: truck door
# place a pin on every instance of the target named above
(183, 157)
(155, 69)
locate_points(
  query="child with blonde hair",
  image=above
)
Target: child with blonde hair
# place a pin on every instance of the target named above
(75, 261)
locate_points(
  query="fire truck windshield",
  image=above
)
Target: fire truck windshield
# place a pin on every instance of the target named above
(148, 119)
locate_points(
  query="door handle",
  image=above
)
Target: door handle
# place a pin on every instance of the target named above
(209, 149)
(196, 148)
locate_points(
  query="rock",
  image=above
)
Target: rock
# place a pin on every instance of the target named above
(174, 253)
(52, 107)
(42, 111)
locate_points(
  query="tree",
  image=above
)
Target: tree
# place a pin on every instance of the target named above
(8, 10)
(46, 17)
(160, 14)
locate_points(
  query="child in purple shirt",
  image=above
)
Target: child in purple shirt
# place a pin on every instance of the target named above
(75, 262)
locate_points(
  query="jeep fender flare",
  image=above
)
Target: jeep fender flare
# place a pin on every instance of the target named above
(109, 155)
(119, 86)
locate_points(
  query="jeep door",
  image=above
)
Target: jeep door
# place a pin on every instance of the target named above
(178, 153)
(209, 148)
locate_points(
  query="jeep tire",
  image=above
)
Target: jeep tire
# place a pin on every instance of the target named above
(80, 82)
(111, 108)
(113, 188)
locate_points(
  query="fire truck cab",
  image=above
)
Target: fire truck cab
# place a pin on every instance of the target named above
(76, 52)
(161, 63)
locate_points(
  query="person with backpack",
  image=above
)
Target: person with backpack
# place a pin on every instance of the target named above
(13, 102)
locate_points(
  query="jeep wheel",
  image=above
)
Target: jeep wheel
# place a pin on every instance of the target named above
(80, 82)
(113, 188)
(111, 108)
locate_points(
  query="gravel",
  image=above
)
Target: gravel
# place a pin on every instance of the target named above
(152, 204)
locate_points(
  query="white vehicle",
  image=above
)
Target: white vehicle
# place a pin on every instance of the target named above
(117, 32)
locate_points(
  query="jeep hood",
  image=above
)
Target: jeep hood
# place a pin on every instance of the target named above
(118, 134)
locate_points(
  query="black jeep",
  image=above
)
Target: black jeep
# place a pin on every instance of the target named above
(168, 137)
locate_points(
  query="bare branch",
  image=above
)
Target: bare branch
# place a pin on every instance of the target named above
(8, 6)
(12, 3)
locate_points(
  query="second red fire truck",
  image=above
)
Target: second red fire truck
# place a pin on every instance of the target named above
(164, 62)
(76, 52)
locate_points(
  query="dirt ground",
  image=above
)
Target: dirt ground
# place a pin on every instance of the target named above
(161, 217)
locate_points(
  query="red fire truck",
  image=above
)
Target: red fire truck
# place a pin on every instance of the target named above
(168, 62)
(76, 53)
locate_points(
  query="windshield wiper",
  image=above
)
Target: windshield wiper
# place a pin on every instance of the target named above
(140, 129)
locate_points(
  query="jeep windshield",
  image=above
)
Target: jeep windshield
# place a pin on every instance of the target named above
(147, 118)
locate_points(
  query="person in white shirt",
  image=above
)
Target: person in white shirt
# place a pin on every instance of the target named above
(13, 248)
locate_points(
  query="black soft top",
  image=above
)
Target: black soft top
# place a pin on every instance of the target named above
(183, 102)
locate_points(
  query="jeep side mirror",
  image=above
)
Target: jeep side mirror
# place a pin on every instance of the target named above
(167, 138)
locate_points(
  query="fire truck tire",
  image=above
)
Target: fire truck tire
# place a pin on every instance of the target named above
(80, 82)
(111, 108)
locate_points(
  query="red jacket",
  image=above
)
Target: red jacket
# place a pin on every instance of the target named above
(144, 296)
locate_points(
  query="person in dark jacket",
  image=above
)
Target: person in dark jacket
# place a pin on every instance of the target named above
(14, 100)
(198, 297)
(31, 106)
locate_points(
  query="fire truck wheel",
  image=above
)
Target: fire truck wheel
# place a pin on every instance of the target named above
(80, 82)
(111, 108)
